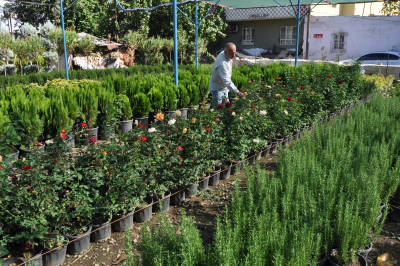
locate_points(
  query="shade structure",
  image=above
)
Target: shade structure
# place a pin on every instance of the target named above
(266, 3)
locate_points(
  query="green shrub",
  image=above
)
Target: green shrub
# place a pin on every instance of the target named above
(88, 102)
(156, 99)
(170, 99)
(126, 111)
(141, 105)
(183, 98)
(194, 94)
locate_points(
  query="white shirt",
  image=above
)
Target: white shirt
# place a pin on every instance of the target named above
(221, 75)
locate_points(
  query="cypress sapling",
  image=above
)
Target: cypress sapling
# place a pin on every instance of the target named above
(141, 105)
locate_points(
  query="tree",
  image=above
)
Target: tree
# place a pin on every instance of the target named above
(133, 41)
(34, 48)
(20, 50)
(86, 45)
(6, 53)
(169, 45)
(27, 30)
(391, 8)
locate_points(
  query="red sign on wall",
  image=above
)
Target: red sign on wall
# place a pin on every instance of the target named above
(318, 35)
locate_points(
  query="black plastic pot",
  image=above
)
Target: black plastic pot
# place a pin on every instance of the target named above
(12, 261)
(92, 132)
(81, 245)
(274, 146)
(37, 260)
(144, 213)
(191, 109)
(295, 134)
(225, 172)
(106, 132)
(101, 234)
(164, 204)
(141, 120)
(266, 150)
(395, 213)
(124, 223)
(322, 262)
(258, 156)
(55, 257)
(236, 166)
(286, 140)
(191, 190)
(364, 252)
(184, 113)
(203, 183)
(170, 113)
(125, 126)
(251, 157)
(361, 260)
(178, 197)
(214, 176)
(279, 140)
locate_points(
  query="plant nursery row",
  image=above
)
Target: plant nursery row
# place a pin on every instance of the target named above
(47, 186)
(328, 200)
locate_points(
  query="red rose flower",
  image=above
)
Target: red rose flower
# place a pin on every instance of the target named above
(228, 104)
(83, 125)
(276, 83)
(141, 125)
(39, 144)
(63, 136)
(253, 106)
(217, 119)
(230, 111)
(277, 79)
(134, 138)
(180, 164)
(28, 187)
(220, 106)
(12, 147)
(246, 93)
(329, 76)
(209, 191)
(26, 167)
(340, 81)
(180, 148)
(93, 139)
(289, 99)
(143, 139)
(302, 88)
(249, 81)
(1, 167)
(207, 129)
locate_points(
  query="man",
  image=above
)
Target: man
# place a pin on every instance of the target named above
(220, 81)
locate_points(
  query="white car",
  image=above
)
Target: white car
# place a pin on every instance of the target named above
(377, 58)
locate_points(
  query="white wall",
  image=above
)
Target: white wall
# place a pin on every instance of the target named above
(365, 34)
(360, 9)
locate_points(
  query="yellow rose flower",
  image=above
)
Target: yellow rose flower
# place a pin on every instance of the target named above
(194, 120)
(240, 118)
(104, 152)
(160, 116)
(204, 107)
(233, 113)
(184, 130)
(211, 110)
(277, 95)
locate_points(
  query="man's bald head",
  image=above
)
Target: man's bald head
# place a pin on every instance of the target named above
(230, 50)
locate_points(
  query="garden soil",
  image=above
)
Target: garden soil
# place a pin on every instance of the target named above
(204, 209)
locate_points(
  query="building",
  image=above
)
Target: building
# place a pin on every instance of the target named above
(273, 29)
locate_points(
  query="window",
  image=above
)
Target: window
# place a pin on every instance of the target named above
(288, 35)
(338, 43)
(248, 36)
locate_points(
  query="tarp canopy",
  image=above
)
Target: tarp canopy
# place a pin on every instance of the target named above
(266, 3)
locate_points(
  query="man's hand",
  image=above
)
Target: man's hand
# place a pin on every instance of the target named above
(240, 94)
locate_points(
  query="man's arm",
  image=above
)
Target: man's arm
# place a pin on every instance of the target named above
(222, 72)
